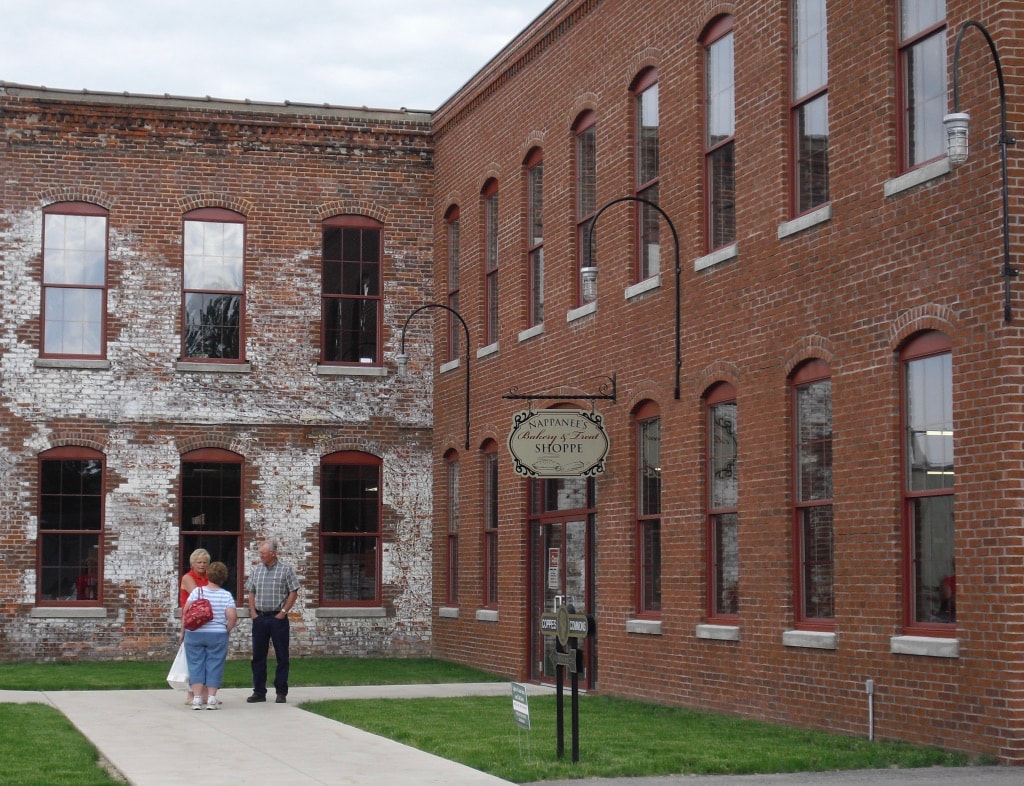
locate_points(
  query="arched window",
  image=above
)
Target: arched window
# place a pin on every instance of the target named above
(490, 467)
(352, 259)
(489, 197)
(811, 391)
(211, 511)
(535, 234)
(74, 280)
(351, 538)
(214, 285)
(647, 420)
(451, 462)
(722, 531)
(585, 130)
(647, 135)
(70, 542)
(451, 219)
(719, 134)
(928, 467)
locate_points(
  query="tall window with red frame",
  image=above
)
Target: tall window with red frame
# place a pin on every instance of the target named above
(490, 207)
(722, 538)
(454, 329)
(214, 284)
(74, 280)
(812, 515)
(351, 300)
(70, 539)
(452, 580)
(490, 457)
(809, 113)
(720, 134)
(647, 131)
(928, 466)
(648, 515)
(586, 200)
(535, 234)
(211, 510)
(922, 80)
(350, 529)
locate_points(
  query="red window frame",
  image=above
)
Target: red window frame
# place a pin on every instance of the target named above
(490, 526)
(336, 295)
(364, 533)
(809, 85)
(213, 215)
(647, 426)
(66, 499)
(920, 495)
(452, 471)
(647, 173)
(719, 144)
(585, 134)
(812, 505)
(452, 227)
(55, 284)
(722, 510)
(490, 205)
(918, 40)
(535, 235)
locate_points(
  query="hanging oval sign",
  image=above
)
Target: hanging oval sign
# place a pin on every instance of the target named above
(558, 443)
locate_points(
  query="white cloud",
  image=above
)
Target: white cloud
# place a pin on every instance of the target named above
(390, 53)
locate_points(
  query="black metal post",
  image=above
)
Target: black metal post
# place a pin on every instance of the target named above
(401, 350)
(678, 271)
(1008, 270)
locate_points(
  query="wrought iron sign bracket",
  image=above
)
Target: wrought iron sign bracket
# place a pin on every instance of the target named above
(606, 392)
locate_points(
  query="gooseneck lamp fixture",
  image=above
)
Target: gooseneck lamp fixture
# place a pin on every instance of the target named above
(589, 273)
(957, 148)
(403, 359)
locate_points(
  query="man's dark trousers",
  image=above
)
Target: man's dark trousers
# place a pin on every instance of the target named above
(267, 629)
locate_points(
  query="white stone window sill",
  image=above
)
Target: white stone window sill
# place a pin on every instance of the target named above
(578, 313)
(719, 632)
(487, 615)
(806, 221)
(448, 612)
(451, 365)
(490, 349)
(646, 627)
(536, 330)
(350, 612)
(213, 368)
(717, 257)
(68, 612)
(916, 177)
(928, 646)
(639, 288)
(811, 639)
(351, 371)
(98, 365)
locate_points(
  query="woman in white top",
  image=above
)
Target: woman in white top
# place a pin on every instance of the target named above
(206, 648)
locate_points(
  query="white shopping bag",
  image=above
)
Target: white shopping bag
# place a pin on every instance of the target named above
(177, 677)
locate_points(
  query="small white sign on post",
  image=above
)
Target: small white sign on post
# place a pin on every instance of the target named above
(520, 705)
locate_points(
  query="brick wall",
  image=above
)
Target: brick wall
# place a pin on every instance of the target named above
(848, 290)
(285, 168)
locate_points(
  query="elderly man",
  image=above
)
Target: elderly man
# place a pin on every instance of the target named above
(272, 589)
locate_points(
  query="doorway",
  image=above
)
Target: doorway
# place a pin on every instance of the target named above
(562, 555)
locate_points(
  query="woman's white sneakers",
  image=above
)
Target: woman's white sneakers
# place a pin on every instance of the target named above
(197, 703)
(212, 703)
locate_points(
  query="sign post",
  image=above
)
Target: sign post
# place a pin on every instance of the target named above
(567, 628)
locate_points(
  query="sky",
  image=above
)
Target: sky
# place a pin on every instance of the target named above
(384, 54)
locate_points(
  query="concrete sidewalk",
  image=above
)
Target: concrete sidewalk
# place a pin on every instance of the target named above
(152, 739)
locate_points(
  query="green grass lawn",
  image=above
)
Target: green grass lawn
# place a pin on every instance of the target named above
(617, 737)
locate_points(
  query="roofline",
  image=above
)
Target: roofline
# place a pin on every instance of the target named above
(169, 101)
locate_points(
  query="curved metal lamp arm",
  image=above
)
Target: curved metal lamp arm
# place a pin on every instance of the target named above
(678, 271)
(1008, 270)
(402, 357)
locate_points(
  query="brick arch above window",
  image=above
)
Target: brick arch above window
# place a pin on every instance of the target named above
(354, 207)
(719, 371)
(214, 200)
(74, 441)
(930, 316)
(188, 445)
(94, 196)
(643, 61)
(806, 348)
(212, 454)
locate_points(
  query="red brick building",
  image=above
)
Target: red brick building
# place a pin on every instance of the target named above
(199, 300)
(732, 230)
(773, 531)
